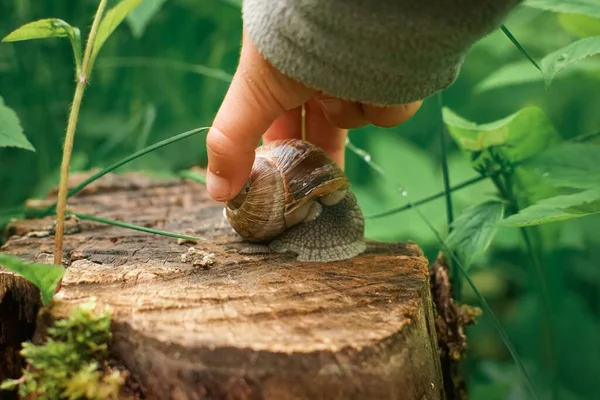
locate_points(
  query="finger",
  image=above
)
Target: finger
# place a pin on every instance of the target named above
(319, 130)
(390, 116)
(324, 134)
(342, 113)
(257, 96)
(287, 126)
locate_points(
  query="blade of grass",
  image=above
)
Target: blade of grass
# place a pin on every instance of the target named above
(520, 47)
(193, 175)
(503, 335)
(129, 158)
(134, 227)
(148, 62)
(428, 199)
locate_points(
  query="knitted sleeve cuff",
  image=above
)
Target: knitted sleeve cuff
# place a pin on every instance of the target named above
(373, 51)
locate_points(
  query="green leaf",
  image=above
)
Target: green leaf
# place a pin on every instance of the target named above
(50, 27)
(517, 73)
(112, 19)
(580, 25)
(557, 61)
(44, 276)
(511, 135)
(474, 230)
(43, 28)
(139, 18)
(586, 7)
(557, 208)
(11, 132)
(474, 137)
(521, 73)
(570, 165)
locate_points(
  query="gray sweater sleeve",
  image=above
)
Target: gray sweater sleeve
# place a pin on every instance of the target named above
(372, 51)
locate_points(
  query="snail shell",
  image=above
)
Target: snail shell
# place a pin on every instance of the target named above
(299, 199)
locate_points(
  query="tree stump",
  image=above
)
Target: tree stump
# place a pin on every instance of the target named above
(201, 321)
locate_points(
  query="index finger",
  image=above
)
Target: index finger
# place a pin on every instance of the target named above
(257, 96)
(233, 138)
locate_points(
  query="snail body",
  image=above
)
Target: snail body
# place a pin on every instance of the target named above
(298, 200)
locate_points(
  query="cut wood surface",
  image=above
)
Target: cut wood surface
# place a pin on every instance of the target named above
(201, 321)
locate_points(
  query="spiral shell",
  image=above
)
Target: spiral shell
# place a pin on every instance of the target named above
(290, 182)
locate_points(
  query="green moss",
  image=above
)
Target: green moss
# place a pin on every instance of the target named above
(69, 364)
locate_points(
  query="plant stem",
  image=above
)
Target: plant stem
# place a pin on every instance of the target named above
(455, 275)
(64, 174)
(547, 332)
(445, 171)
(303, 121)
(70, 136)
(504, 184)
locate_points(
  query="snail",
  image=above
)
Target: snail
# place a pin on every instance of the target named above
(298, 200)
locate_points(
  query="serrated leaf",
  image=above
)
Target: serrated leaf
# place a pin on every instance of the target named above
(584, 7)
(112, 19)
(44, 276)
(11, 131)
(512, 135)
(139, 18)
(570, 165)
(557, 208)
(557, 61)
(521, 73)
(474, 230)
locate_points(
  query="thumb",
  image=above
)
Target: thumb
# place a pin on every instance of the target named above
(257, 96)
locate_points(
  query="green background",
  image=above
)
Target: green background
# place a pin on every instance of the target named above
(151, 84)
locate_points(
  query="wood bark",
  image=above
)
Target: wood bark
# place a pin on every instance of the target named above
(201, 321)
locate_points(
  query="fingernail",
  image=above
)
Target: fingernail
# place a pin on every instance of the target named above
(217, 186)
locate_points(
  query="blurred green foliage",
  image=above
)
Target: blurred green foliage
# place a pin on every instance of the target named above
(166, 69)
